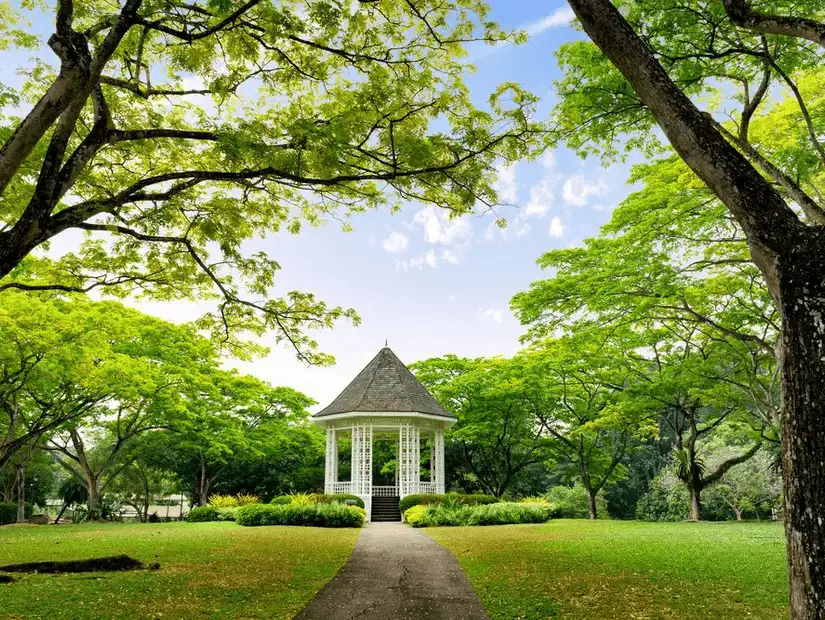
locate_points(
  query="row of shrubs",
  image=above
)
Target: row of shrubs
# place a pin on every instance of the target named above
(503, 513)
(316, 515)
(423, 499)
(8, 513)
(311, 499)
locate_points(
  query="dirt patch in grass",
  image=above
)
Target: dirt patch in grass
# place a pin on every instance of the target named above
(111, 563)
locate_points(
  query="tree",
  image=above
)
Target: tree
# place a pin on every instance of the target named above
(497, 433)
(750, 488)
(665, 54)
(153, 376)
(576, 394)
(173, 132)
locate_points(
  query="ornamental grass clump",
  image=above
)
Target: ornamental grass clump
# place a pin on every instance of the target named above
(503, 513)
(419, 499)
(315, 515)
(223, 501)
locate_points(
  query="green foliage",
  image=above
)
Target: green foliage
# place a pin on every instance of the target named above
(223, 501)
(570, 502)
(414, 514)
(304, 112)
(667, 500)
(281, 500)
(435, 498)
(8, 513)
(200, 514)
(303, 499)
(315, 515)
(340, 498)
(502, 513)
(245, 499)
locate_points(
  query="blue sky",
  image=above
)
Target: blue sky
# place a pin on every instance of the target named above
(428, 285)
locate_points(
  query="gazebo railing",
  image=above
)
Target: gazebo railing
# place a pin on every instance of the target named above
(385, 491)
(427, 487)
(342, 487)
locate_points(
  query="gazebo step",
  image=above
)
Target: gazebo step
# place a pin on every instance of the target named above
(385, 509)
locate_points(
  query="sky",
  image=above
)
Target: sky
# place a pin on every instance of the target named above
(427, 285)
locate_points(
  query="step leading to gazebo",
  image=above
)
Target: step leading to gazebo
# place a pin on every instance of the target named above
(385, 509)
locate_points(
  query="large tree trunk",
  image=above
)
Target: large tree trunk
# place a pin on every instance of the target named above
(695, 504)
(93, 489)
(21, 494)
(591, 504)
(802, 360)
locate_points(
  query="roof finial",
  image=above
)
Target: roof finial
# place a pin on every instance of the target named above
(385, 342)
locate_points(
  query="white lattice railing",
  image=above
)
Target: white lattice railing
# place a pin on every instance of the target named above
(427, 487)
(342, 487)
(385, 491)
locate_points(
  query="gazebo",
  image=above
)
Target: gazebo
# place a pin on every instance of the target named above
(385, 398)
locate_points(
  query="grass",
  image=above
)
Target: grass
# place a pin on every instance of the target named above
(208, 570)
(624, 569)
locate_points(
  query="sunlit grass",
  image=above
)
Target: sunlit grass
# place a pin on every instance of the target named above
(614, 569)
(208, 570)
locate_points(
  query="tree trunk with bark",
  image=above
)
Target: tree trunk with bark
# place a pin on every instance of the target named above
(21, 494)
(591, 504)
(802, 359)
(695, 504)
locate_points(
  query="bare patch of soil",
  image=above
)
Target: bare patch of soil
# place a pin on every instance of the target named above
(112, 563)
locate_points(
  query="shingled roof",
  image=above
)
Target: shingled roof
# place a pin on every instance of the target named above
(387, 385)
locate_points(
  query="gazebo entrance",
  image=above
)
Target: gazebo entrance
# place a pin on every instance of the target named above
(385, 399)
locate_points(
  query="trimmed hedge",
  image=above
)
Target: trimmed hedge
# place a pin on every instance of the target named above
(318, 515)
(435, 498)
(8, 513)
(486, 514)
(340, 498)
(202, 514)
(319, 498)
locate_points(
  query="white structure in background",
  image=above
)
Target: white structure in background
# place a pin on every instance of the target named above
(385, 398)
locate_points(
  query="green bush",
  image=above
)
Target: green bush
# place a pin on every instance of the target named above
(415, 514)
(8, 513)
(223, 501)
(202, 513)
(281, 500)
(339, 498)
(316, 515)
(572, 503)
(434, 498)
(482, 514)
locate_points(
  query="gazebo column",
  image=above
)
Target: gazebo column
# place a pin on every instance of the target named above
(438, 460)
(331, 467)
(409, 459)
(362, 461)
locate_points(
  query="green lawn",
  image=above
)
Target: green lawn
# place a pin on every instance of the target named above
(623, 569)
(208, 570)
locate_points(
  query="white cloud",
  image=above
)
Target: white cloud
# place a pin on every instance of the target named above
(577, 190)
(396, 243)
(523, 229)
(450, 256)
(556, 227)
(541, 198)
(440, 229)
(488, 315)
(428, 259)
(559, 17)
(548, 160)
(505, 184)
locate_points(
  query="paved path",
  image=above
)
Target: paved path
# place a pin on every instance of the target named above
(396, 572)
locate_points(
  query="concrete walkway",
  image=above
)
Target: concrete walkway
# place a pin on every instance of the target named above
(396, 572)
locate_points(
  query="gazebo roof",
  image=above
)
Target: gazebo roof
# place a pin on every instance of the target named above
(385, 385)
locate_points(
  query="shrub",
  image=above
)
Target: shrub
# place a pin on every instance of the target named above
(8, 513)
(302, 499)
(482, 514)
(316, 515)
(202, 513)
(415, 514)
(340, 498)
(571, 502)
(281, 500)
(245, 499)
(434, 498)
(222, 501)
(227, 514)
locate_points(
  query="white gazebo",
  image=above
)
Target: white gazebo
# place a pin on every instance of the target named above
(385, 399)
